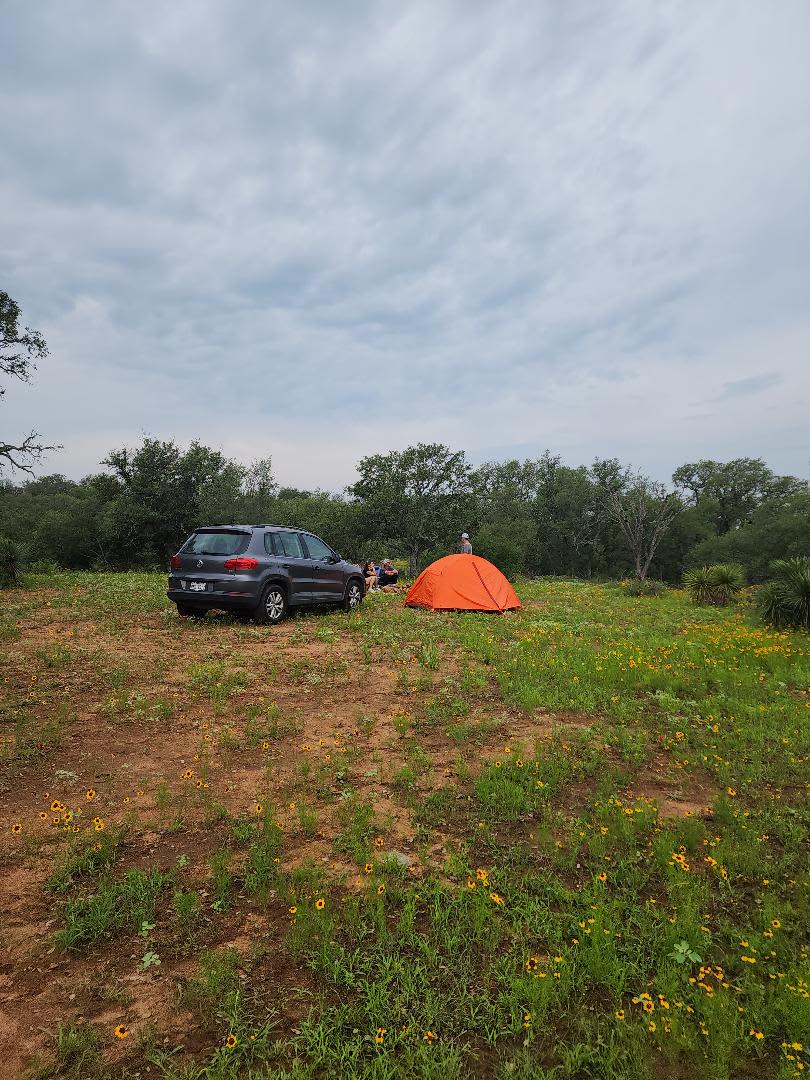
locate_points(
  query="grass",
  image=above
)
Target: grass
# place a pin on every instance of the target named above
(565, 842)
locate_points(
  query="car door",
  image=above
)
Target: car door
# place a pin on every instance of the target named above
(328, 579)
(293, 558)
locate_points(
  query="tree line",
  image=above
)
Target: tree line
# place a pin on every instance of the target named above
(534, 517)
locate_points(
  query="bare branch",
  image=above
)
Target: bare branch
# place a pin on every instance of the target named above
(26, 455)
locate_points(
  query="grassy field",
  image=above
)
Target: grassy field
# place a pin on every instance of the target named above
(565, 842)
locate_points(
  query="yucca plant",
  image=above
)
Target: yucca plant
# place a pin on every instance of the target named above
(9, 563)
(699, 583)
(717, 584)
(785, 601)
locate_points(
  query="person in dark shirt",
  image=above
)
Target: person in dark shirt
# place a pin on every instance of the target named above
(388, 574)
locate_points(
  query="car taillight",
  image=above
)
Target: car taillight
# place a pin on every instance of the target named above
(176, 562)
(241, 564)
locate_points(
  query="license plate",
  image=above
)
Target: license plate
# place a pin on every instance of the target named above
(196, 586)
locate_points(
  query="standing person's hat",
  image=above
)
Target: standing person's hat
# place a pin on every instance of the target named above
(465, 536)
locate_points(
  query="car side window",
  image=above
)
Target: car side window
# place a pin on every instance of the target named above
(290, 545)
(271, 544)
(317, 548)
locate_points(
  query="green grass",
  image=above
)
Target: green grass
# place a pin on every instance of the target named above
(556, 923)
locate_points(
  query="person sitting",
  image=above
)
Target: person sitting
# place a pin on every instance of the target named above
(370, 574)
(388, 574)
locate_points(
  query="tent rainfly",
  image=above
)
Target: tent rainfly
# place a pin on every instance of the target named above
(462, 583)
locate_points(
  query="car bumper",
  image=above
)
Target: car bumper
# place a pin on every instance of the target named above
(226, 594)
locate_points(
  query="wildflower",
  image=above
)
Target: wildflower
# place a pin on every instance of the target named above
(471, 884)
(756, 1034)
(527, 1020)
(381, 888)
(748, 959)
(601, 877)
(533, 963)
(619, 1014)
(775, 924)
(43, 816)
(379, 842)
(99, 825)
(368, 868)
(16, 827)
(186, 774)
(496, 899)
(518, 763)
(90, 794)
(429, 1036)
(56, 807)
(648, 1006)
(121, 1032)
(731, 792)
(292, 909)
(231, 1041)
(498, 764)
(320, 903)
(378, 1038)
(651, 1026)
(481, 874)
(258, 808)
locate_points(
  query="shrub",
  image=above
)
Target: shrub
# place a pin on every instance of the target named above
(717, 584)
(785, 601)
(10, 560)
(637, 587)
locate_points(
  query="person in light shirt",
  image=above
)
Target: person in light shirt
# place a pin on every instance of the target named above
(465, 547)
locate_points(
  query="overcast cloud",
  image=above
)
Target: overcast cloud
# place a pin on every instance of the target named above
(326, 229)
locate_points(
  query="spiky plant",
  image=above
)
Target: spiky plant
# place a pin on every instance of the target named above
(716, 584)
(728, 579)
(9, 563)
(784, 602)
(699, 583)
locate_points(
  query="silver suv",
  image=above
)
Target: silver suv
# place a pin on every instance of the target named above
(260, 570)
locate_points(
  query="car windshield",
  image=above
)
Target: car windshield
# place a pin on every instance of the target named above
(216, 542)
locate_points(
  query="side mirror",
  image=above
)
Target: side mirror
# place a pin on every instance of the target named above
(335, 558)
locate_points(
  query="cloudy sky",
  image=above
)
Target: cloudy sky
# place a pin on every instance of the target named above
(324, 229)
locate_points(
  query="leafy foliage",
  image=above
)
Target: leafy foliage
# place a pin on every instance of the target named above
(785, 601)
(10, 557)
(717, 584)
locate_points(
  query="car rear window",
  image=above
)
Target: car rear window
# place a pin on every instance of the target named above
(217, 542)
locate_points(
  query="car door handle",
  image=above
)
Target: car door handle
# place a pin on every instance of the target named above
(285, 566)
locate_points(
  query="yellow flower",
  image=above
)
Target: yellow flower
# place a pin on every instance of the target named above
(292, 909)
(619, 1014)
(378, 1038)
(648, 1006)
(258, 808)
(231, 1041)
(90, 794)
(320, 903)
(471, 884)
(121, 1032)
(756, 1034)
(379, 842)
(16, 827)
(651, 1026)
(775, 924)
(496, 899)
(368, 868)
(533, 963)
(429, 1036)
(601, 877)
(381, 888)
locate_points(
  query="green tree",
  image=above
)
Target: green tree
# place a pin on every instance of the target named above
(19, 352)
(163, 493)
(418, 498)
(729, 492)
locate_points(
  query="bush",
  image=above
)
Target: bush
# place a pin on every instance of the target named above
(785, 601)
(717, 584)
(10, 560)
(647, 587)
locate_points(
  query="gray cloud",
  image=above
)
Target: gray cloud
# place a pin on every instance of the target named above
(754, 384)
(542, 224)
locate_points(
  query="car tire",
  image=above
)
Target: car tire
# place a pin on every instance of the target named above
(188, 611)
(272, 606)
(354, 595)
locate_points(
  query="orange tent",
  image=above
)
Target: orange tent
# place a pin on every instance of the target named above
(462, 583)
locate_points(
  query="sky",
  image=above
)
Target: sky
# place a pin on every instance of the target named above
(322, 230)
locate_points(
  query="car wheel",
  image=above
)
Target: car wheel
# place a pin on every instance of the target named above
(354, 596)
(273, 605)
(187, 611)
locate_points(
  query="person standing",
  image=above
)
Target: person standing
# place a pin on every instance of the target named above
(465, 547)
